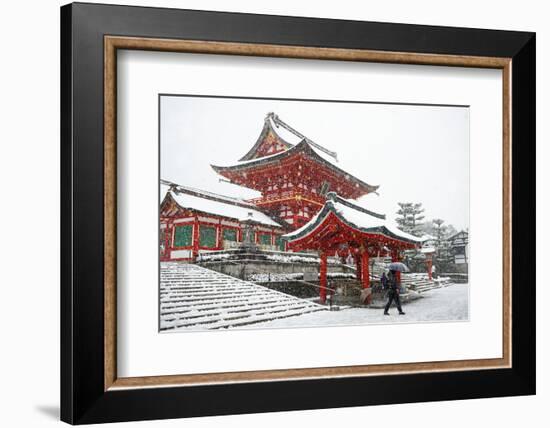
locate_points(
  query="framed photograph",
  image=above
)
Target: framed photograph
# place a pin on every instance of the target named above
(266, 213)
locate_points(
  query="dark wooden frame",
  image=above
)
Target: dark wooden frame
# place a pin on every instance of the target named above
(88, 377)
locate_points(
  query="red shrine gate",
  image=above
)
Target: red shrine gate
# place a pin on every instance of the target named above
(293, 179)
(344, 228)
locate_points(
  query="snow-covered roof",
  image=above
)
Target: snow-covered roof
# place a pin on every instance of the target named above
(355, 217)
(284, 137)
(290, 141)
(427, 250)
(210, 203)
(164, 189)
(202, 193)
(427, 237)
(462, 232)
(303, 146)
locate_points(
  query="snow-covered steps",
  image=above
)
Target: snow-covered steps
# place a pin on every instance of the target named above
(196, 298)
(421, 283)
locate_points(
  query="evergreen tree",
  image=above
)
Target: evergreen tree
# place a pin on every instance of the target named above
(410, 218)
(403, 216)
(443, 251)
(404, 213)
(450, 231)
(439, 230)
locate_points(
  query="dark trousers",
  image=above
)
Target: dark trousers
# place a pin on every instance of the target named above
(393, 296)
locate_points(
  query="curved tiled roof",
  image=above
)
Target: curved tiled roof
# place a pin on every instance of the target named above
(210, 203)
(268, 127)
(303, 147)
(355, 217)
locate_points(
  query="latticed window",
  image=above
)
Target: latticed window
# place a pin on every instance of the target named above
(183, 236)
(230, 235)
(207, 237)
(264, 239)
(280, 243)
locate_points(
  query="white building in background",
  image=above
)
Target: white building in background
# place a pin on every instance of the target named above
(459, 247)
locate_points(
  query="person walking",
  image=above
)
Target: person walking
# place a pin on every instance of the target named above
(384, 280)
(393, 293)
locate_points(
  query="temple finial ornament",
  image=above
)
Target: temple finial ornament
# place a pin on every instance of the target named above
(332, 196)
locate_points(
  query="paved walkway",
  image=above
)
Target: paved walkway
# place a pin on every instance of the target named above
(443, 304)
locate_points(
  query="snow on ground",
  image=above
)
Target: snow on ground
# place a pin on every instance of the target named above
(443, 304)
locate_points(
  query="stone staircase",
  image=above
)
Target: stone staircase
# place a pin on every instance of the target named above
(196, 298)
(418, 282)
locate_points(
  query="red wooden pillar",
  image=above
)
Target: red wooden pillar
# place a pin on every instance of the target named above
(365, 273)
(219, 241)
(395, 258)
(323, 278)
(365, 269)
(196, 236)
(168, 239)
(357, 258)
(429, 263)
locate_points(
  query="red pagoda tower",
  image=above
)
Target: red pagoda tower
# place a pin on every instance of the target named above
(292, 178)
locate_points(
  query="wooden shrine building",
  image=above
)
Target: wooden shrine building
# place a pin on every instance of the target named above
(344, 228)
(458, 244)
(293, 178)
(193, 221)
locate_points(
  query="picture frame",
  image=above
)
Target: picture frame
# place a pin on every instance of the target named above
(91, 391)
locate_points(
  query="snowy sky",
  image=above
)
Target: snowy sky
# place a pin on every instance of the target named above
(415, 153)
